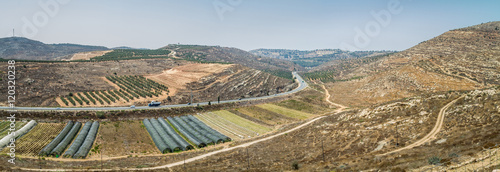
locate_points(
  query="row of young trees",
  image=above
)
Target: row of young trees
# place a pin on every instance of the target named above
(131, 87)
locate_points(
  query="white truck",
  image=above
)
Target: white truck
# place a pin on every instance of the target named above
(154, 103)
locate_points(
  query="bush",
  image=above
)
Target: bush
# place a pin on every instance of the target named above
(295, 165)
(434, 160)
(100, 115)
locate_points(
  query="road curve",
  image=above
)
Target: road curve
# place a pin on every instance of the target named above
(302, 85)
(434, 131)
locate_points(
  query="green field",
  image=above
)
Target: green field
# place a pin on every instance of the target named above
(285, 111)
(6, 126)
(242, 122)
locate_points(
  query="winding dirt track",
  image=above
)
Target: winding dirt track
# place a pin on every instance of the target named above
(327, 99)
(208, 154)
(434, 131)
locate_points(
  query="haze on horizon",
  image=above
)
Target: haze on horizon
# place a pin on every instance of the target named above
(244, 24)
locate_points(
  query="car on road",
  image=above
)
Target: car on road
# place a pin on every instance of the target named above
(133, 106)
(188, 103)
(58, 108)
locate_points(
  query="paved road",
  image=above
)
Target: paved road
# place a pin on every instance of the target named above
(302, 85)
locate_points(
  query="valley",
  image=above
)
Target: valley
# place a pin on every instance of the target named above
(432, 107)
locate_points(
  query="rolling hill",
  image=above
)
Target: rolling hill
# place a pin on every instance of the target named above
(460, 59)
(27, 49)
(314, 58)
(233, 55)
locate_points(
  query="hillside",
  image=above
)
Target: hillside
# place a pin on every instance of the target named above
(26, 49)
(232, 55)
(46, 84)
(461, 59)
(313, 58)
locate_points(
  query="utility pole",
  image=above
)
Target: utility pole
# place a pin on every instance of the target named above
(101, 150)
(397, 135)
(248, 159)
(323, 150)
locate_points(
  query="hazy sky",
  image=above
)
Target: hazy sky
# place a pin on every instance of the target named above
(245, 24)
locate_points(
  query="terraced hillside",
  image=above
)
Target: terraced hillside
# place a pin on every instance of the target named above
(84, 83)
(129, 89)
(210, 82)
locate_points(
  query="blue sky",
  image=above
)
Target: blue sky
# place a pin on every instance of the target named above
(245, 24)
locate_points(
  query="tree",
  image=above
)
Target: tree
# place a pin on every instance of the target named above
(169, 98)
(218, 99)
(209, 103)
(70, 94)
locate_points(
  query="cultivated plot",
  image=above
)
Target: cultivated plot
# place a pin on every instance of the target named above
(35, 140)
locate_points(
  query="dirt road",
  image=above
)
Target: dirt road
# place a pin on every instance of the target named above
(327, 99)
(432, 134)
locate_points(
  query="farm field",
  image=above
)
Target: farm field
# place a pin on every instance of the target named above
(4, 125)
(35, 140)
(285, 111)
(266, 116)
(124, 138)
(233, 123)
(127, 90)
(19, 124)
(302, 106)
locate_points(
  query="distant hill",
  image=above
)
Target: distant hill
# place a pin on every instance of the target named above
(460, 59)
(127, 48)
(27, 49)
(313, 58)
(203, 53)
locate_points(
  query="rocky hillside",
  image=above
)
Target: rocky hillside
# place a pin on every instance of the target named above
(27, 49)
(461, 59)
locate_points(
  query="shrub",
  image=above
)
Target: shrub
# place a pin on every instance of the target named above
(434, 160)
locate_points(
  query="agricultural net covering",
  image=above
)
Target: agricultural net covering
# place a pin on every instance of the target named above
(183, 143)
(184, 131)
(66, 141)
(6, 140)
(193, 131)
(78, 141)
(208, 129)
(48, 149)
(160, 144)
(169, 141)
(89, 141)
(199, 129)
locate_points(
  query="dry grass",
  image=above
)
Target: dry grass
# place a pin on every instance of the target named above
(124, 138)
(285, 111)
